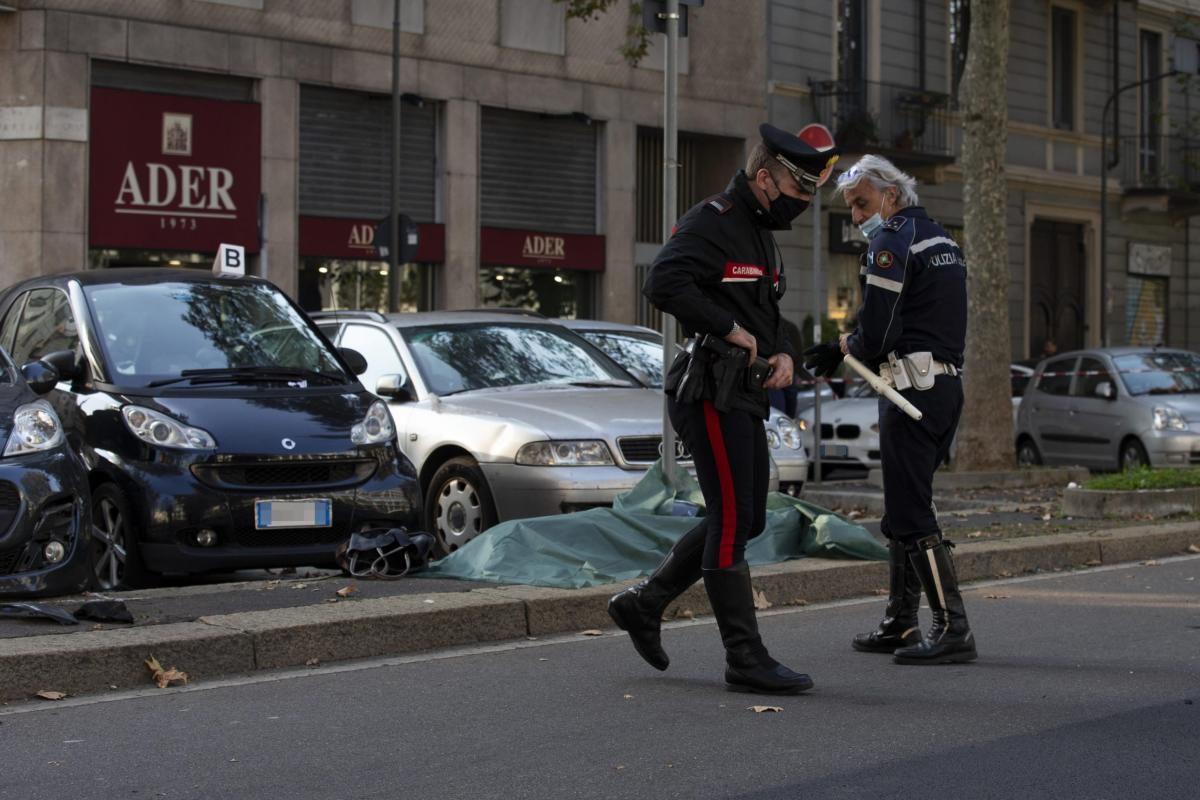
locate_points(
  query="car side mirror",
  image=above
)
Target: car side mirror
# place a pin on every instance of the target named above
(41, 376)
(1106, 390)
(354, 360)
(65, 362)
(395, 387)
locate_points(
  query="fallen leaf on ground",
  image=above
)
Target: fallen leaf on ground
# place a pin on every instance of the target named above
(799, 601)
(299, 585)
(1150, 563)
(996, 596)
(46, 694)
(760, 600)
(686, 613)
(164, 677)
(592, 632)
(1194, 548)
(974, 534)
(1095, 562)
(764, 709)
(854, 515)
(312, 662)
(880, 592)
(346, 591)
(628, 697)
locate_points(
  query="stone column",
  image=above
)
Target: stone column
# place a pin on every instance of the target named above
(458, 278)
(618, 289)
(280, 99)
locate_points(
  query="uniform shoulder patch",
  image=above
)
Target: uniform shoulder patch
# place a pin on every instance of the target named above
(884, 259)
(895, 223)
(721, 203)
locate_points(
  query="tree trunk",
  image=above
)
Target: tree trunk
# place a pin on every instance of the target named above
(985, 435)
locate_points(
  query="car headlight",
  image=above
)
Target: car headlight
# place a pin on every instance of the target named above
(1168, 419)
(376, 427)
(789, 432)
(159, 429)
(577, 453)
(35, 428)
(773, 440)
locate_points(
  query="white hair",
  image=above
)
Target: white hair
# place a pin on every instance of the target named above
(882, 174)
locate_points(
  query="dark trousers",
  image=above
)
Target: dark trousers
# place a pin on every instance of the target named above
(911, 452)
(729, 450)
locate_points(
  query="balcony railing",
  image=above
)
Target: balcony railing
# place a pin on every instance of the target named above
(906, 123)
(1164, 163)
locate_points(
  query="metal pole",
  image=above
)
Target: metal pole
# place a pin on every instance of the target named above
(816, 266)
(670, 201)
(393, 277)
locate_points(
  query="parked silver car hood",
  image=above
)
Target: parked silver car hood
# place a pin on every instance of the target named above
(567, 412)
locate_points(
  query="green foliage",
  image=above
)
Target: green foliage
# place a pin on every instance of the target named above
(637, 37)
(1147, 478)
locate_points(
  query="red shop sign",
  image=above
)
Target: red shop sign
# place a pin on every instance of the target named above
(173, 173)
(339, 237)
(506, 247)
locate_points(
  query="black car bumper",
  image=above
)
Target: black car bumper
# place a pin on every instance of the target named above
(175, 501)
(43, 497)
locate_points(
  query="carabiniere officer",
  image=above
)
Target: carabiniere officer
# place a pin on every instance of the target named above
(721, 276)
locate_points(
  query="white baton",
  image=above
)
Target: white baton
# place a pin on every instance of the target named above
(880, 386)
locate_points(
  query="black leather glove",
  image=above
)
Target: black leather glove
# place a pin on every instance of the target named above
(823, 359)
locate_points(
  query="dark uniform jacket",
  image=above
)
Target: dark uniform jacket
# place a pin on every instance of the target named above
(721, 266)
(914, 289)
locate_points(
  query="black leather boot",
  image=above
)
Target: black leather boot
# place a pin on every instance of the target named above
(748, 666)
(899, 627)
(638, 610)
(949, 639)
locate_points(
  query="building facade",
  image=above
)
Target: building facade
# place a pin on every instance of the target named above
(151, 132)
(883, 77)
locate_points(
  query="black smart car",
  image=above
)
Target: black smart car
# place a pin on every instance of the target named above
(219, 428)
(45, 510)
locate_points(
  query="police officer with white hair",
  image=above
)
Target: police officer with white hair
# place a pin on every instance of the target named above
(911, 329)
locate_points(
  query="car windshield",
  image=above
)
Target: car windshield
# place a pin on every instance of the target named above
(631, 351)
(461, 358)
(153, 332)
(1159, 373)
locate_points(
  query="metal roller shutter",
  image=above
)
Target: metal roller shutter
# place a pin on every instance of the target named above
(537, 172)
(142, 78)
(345, 155)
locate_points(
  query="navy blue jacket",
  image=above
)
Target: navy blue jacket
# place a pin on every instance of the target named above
(914, 290)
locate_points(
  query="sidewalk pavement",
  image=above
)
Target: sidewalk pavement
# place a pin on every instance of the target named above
(220, 630)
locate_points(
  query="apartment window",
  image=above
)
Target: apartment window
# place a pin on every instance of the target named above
(1150, 102)
(960, 28)
(1063, 72)
(852, 43)
(539, 25)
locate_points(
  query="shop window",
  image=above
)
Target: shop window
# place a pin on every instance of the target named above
(332, 284)
(1145, 311)
(539, 25)
(550, 292)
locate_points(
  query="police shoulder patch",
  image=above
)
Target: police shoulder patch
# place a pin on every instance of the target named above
(895, 223)
(884, 259)
(720, 203)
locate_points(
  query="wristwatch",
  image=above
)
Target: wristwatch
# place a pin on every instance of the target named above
(734, 329)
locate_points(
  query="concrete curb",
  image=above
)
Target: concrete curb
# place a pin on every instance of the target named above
(1160, 502)
(95, 661)
(1007, 479)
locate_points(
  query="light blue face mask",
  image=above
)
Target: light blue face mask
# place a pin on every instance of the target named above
(871, 225)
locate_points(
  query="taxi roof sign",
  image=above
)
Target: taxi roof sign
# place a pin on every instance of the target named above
(230, 261)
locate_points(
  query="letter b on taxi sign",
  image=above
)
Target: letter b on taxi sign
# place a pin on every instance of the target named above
(230, 262)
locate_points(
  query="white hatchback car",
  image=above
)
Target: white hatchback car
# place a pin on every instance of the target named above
(505, 415)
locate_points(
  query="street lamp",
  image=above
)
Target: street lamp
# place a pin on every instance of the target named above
(1104, 194)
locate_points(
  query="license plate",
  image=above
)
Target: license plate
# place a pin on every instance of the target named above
(834, 451)
(293, 514)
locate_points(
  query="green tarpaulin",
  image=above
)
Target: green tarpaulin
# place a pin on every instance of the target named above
(609, 545)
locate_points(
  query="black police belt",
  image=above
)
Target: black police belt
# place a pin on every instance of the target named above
(914, 370)
(710, 368)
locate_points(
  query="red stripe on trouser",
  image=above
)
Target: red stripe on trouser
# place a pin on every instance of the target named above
(728, 503)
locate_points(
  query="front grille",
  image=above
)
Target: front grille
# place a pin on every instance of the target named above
(848, 431)
(286, 474)
(872, 455)
(826, 430)
(645, 449)
(289, 537)
(56, 520)
(10, 502)
(9, 560)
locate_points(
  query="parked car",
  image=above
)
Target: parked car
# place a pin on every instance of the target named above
(1113, 408)
(506, 415)
(45, 505)
(639, 350)
(850, 426)
(218, 427)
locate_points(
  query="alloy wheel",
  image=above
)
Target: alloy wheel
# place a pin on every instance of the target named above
(108, 532)
(459, 513)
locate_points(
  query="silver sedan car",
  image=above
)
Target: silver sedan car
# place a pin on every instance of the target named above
(639, 350)
(1113, 408)
(504, 415)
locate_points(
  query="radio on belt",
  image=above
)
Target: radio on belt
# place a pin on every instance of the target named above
(230, 261)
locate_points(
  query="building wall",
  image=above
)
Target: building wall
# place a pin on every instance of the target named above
(451, 52)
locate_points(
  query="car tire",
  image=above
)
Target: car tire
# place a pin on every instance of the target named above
(1027, 453)
(458, 504)
(1132, 455)
(116, 559)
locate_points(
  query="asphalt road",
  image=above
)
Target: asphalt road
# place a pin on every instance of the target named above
(1088, 686)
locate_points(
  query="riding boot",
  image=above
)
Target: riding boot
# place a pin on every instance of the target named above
(748, 666)
(949, 639)
(899, 625)
(638, 610)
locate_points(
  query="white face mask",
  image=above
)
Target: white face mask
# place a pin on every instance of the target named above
(871, 225)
